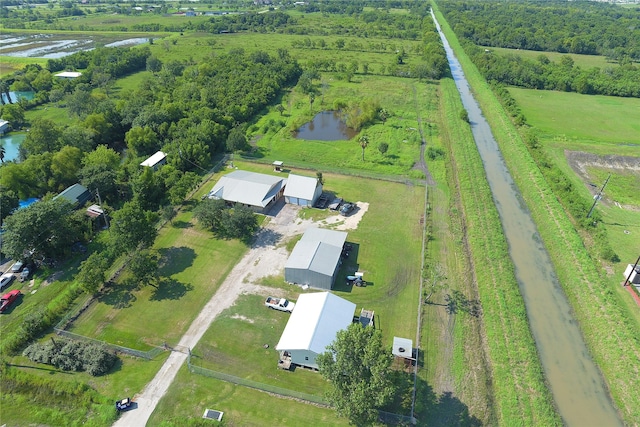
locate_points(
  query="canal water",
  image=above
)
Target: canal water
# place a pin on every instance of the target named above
(577, 387)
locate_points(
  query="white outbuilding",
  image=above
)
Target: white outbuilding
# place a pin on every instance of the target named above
(302, 190)
(313, 325)
(68, 74)
(158, 159)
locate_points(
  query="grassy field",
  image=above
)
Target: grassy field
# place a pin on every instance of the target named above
(194, 264)
(11, 64)
(583, 61)
(610, 333)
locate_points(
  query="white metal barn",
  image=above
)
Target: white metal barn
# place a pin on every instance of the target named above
(302, 190)
(315, 259)
(255, 190)
(158, 159)
(313, 325)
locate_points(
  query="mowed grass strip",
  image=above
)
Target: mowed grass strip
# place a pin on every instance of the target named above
(194, 264)
(191, 394)
(521, 395)
(582, 117)
(583, 61)
(610, 334)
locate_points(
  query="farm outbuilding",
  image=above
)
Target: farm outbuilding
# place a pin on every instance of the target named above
(302, 190)
(315, 259)
(158, 159)
(255, 190)
(313, 325)
(77, 195)
(4, 127)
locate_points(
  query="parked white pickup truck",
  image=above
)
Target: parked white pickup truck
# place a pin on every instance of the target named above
(281, 304)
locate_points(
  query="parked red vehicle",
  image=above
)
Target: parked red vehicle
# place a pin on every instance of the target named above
(8, 299)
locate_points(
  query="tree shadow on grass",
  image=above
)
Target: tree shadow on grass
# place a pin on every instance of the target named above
(170, 289)
(119, 295)
(175, 259)
(181, 224)
(444, 410)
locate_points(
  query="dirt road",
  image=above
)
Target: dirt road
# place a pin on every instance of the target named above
(266, 257)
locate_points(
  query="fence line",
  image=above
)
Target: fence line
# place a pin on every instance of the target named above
(255, 385)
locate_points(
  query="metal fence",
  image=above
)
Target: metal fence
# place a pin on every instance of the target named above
(256, 385)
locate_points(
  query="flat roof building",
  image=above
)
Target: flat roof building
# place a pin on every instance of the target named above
(255, 190)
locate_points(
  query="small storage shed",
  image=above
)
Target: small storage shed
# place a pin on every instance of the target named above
(315, 259)
(68, 75)
(77, 194)
(302, 190)
(255, 190)
(158, 159)
(313, 325)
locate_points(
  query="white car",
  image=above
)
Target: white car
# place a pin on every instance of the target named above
(5, 280)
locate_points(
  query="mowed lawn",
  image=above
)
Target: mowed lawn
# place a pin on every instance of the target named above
(584, 61)
(588, 118)
(194, 264)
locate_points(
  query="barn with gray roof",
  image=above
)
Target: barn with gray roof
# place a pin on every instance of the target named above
(302, 190)
(255, 190)
(315, 259)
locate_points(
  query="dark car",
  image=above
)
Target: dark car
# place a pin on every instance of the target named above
(124, 404)
(347, 208)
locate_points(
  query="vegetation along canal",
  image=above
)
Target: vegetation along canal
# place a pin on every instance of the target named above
(577, 387)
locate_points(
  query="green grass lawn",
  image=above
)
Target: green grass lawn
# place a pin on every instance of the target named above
(584, 61)
(194, 264)
(191, 394)
(576, 117)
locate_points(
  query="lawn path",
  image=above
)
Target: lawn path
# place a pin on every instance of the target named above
(267, 257)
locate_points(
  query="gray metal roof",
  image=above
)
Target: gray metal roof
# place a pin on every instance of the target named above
(249, 188)
(301, 187)
(76, 194)
(319, 250)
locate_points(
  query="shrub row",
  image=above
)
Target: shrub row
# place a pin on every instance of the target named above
(70, 355)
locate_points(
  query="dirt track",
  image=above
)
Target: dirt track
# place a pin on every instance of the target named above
(266, 257)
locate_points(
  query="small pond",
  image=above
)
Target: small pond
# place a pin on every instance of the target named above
(11, 144)
(326, 126)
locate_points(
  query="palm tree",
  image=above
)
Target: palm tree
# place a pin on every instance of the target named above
(2, 153)
(364, 142)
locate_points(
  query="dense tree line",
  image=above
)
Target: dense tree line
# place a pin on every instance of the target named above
(564, 75)
(594, 28)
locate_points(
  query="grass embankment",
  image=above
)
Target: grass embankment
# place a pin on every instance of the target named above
(453, 341)
(610, 334)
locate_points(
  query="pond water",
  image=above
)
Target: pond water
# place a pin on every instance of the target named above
(15, 96)
(11, 144)
(326, 126)
(53, 46)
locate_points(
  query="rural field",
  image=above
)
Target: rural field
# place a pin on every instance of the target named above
(431, 246)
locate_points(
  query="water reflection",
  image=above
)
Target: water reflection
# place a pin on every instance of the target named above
(326, 126)
(11, 144)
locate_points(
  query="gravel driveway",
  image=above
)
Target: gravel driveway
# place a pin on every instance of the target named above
(267, 257)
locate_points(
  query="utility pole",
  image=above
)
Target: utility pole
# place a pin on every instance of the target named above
(598, 197)
(104, 215)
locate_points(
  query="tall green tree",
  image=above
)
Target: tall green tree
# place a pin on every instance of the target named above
(364, 143)
(143, 265)
(8, 202)
(93, 272)
(132, 228)
(44, 136)
(45, 229)
(358, 366)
